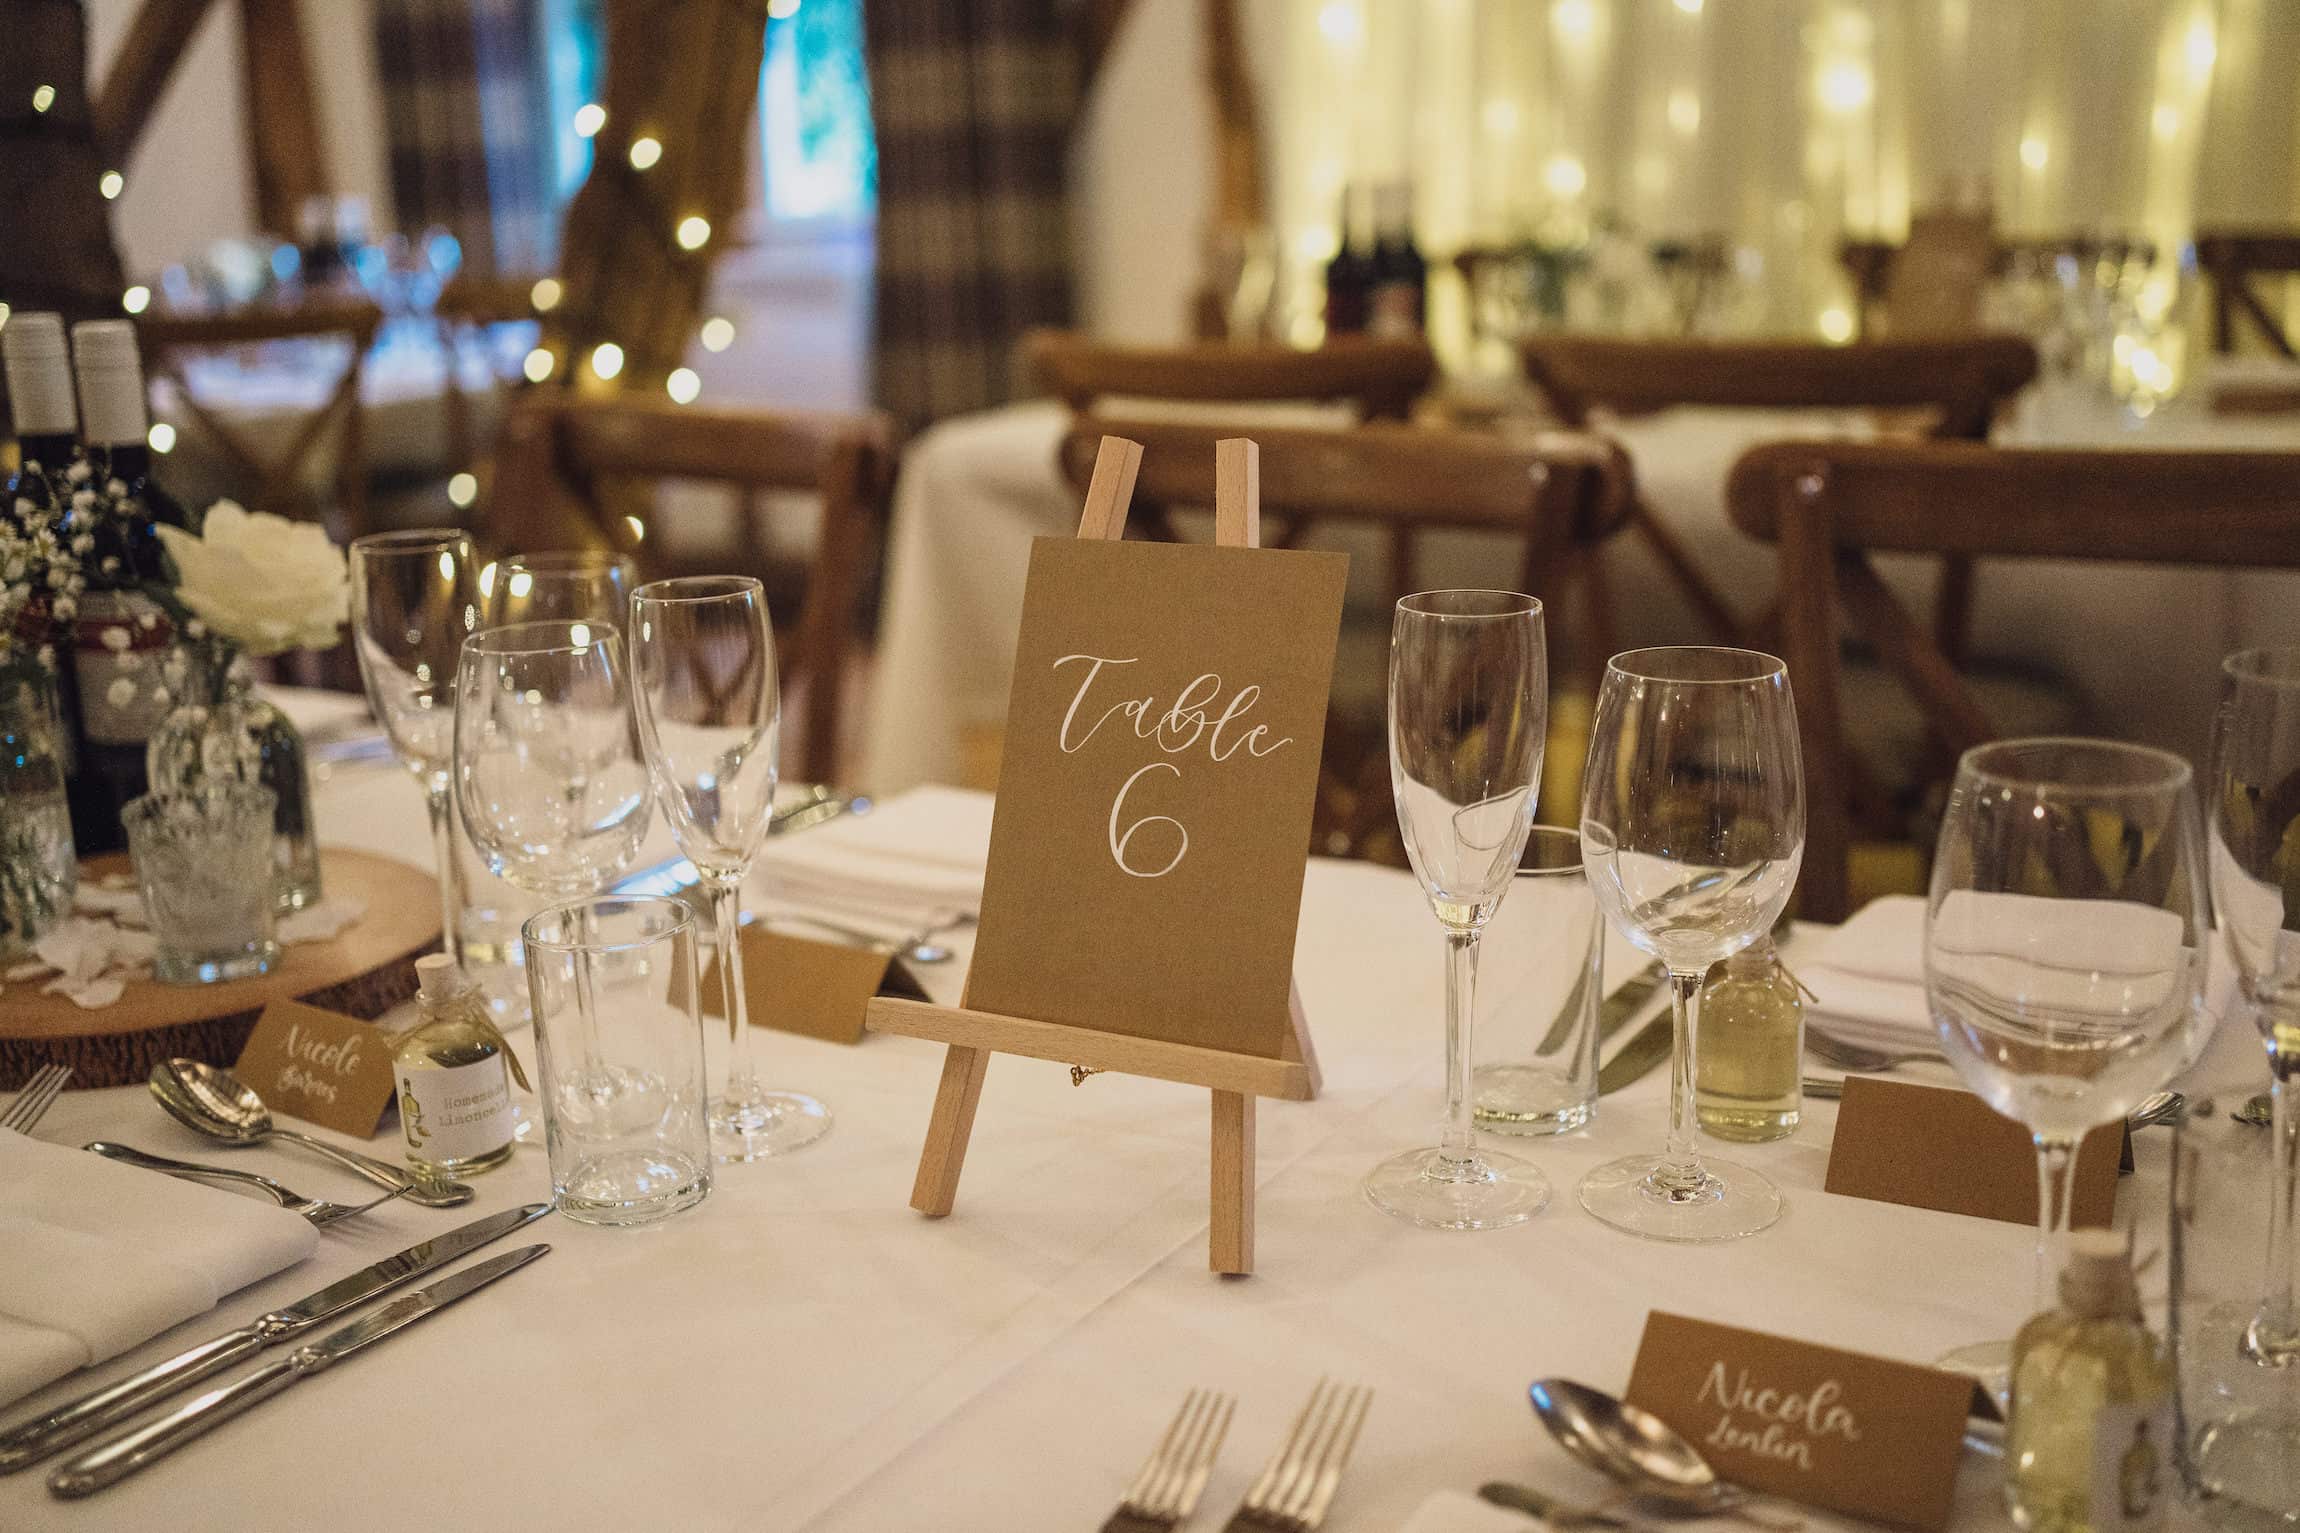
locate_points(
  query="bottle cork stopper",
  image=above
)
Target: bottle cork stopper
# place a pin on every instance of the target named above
(437, 978)
(2096, 1283)
(1756, 958)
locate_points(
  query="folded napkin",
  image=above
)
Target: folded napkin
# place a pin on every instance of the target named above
(1868, 978)
(914, 858)
(96, 1257)
(1457, 1511)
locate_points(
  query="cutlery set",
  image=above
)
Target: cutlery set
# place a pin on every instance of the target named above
(1292, 1494)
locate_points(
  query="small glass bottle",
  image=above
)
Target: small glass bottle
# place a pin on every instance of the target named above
(2090, 1444)
(454, 1085)
(1748, 1051)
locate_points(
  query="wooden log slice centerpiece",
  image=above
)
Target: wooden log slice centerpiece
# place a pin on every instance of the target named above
(363, 972)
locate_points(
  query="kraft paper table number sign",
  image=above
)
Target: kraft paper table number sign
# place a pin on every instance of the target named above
(1152, 828)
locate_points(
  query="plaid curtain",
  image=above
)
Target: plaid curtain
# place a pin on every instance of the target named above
(972, 102)
(467, 111)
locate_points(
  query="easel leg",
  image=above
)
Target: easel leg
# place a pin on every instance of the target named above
(947, 1132)
(1298, 1046)
(1230, 1237)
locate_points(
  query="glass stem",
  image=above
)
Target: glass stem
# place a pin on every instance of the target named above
(435, 799)
(2055, 1197)
(2274, 1335)
(1457, 1143)
(1680, 1169)
(727, 916)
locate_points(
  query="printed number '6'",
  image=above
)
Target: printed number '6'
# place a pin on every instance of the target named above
(1119, 842)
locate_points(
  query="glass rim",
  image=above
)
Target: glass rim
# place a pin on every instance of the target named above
(558, 560)
(1762, 666)
(410, 540)
(1519, 604)
(661, 592)
(503, 639)
(2250, 665)
(683, 919)
(2174, 771)
(1562, 835)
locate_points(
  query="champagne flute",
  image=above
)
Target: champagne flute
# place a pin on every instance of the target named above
(2064, 948)
(412, 605)
(1469, 709)
(569, 585)
(2255, 858)
(710, 710)
(1692, 829)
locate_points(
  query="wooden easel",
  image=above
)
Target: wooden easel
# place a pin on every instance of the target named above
(1234, 1079)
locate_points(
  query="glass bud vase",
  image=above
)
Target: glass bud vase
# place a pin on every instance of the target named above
(39, 870)
(220, 732)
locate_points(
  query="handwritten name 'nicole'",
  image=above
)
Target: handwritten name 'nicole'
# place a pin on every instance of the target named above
(1786, 1422)
(1181, 727)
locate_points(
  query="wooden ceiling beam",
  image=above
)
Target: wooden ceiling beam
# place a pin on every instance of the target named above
(286, 152)
(146, 61)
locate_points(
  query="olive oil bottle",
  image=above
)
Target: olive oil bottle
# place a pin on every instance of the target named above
(454, 1075)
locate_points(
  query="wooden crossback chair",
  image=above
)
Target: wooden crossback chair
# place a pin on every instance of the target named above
(1830, 506)
(275, 481)
(560, 463)
(2233, 259)
(468, 307)
(1559, 493)
(1958, 384)
(1381, 378)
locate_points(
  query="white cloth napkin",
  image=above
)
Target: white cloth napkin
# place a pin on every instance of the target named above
(1869, 974)
(1457, 1511)
(914, 858)
(96, 1257)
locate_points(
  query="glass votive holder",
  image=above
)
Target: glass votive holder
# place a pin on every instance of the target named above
(612, 987)
(204, 864)
(1540, 977)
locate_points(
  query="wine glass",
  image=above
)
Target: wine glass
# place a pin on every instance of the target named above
(2065, 948)
(412, 605)
(710, 710)
(1692, 829)
(1469, 709)
(2255, 858)
(571, 585)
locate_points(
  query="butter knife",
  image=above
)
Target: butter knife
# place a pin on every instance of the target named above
(78, 1419)
(110, 1462)
(1646, 1048)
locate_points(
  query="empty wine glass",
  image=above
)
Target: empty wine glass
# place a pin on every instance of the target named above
(570, 585)
(412, 605)
(2064, 947)
(709, 709)
(2255, 855)
(1469, 709)
(1692, 829)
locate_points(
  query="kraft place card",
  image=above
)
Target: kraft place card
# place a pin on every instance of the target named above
(801, 985)
(1931, 1147)
(320, 1066)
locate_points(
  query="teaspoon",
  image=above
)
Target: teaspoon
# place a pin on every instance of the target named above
(219, 1104)
(1641, 1452)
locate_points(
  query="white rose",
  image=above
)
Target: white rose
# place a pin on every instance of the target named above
(262, 581)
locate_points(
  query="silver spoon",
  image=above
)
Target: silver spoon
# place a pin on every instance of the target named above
(220, 1105)
(2157, 1107)
(1642, 1453)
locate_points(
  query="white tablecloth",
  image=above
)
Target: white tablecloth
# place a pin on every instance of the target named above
(804, 1352)
(2144, 644)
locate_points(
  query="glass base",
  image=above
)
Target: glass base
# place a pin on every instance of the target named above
(1986, 1363)
(764, 1123)
(1528, 1100)
(632, 1187)
(1729, 1202)
(171, 968)
(2252, 1459)
(1488, 1191)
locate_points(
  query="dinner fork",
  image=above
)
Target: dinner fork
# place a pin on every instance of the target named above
(1861, 1058)
(318, 1210)
(1166, 1491)
(1298, 1484)
(37, 1096)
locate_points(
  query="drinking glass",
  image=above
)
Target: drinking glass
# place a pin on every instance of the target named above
(412, 605)
(571, 585)
(709, 713)
(1692, 829)
(1536, 1069)
(2255, 858)
(1469, 707)
(612, 982)
(204, 864)
(2064, 946)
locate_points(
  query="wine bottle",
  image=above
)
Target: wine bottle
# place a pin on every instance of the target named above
(1349, 275)
(1399, 287)
(40, 396)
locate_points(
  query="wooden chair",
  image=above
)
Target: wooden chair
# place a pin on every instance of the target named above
(469, 306)
(2232, 259)
(1830, 506)
(1957, 385)
(565, 470)
(1382, 378)
(1561, 492)
(276, 480)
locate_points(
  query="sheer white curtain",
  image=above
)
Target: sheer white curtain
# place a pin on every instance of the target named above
(1780, 125)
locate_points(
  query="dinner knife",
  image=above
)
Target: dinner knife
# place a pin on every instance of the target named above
(1647, 1047)
(78, 1419)
(110, 1462)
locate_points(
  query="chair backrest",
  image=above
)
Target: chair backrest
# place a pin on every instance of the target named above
(566, 471)
(276, 473)
(469, 307)
(2232, 258)
(1829, 505)
(1381, 377)
(1964, 381)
